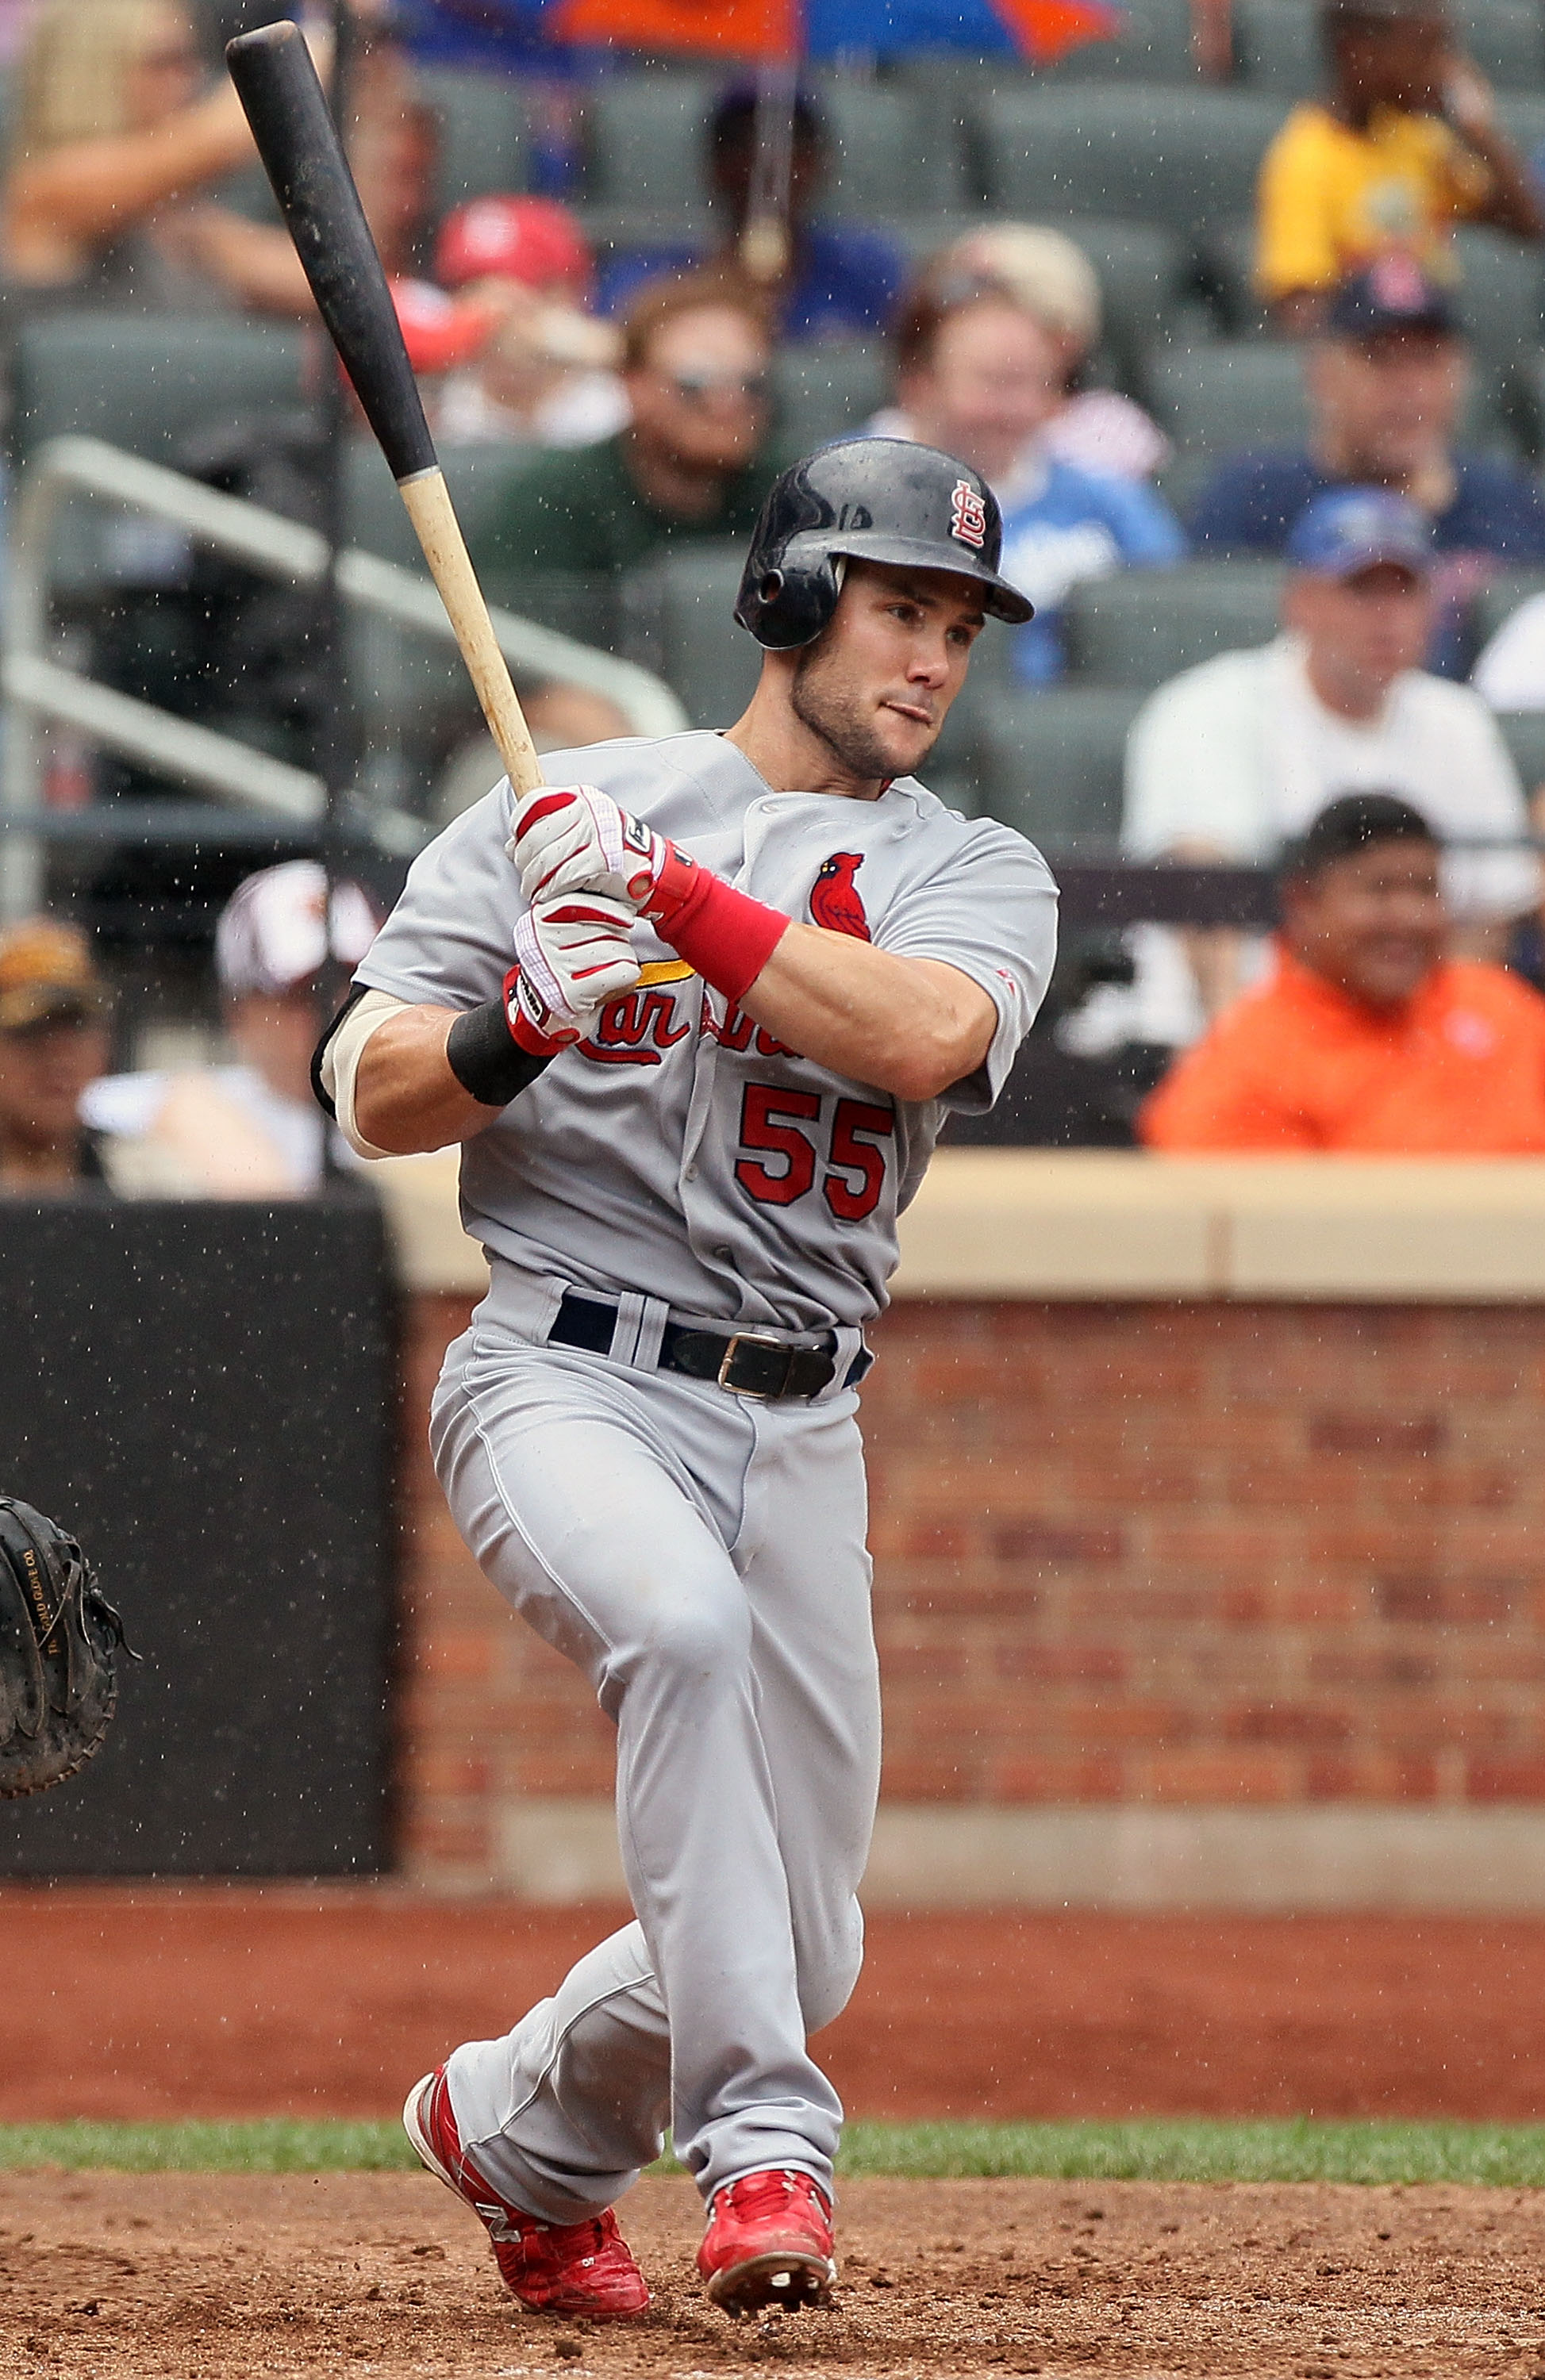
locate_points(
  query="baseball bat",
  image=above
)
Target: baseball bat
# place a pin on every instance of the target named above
(303, 157)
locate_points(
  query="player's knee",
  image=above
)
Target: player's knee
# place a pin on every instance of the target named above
(700, 1639)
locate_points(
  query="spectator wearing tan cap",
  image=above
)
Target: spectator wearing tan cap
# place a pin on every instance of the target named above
(54, 1041)
(1096, 428)
(251, 1129)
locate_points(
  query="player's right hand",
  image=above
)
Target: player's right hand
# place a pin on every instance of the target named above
(576, 839)
(572, 955)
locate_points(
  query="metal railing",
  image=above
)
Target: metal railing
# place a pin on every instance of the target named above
(37, 688)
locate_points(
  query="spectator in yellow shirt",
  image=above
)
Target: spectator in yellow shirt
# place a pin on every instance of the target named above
(1405, 145)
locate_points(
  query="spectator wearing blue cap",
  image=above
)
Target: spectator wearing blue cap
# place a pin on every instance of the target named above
(1229, 760)
(1386, 381)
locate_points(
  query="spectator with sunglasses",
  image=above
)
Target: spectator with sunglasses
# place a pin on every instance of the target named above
(695, 357)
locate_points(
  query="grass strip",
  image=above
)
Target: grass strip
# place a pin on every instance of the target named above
(1147, 2149)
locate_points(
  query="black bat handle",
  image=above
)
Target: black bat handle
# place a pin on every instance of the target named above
(303, 157)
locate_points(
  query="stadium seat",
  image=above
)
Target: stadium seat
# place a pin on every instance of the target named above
(827, 389)
(1523, 733)
(1500, 599)
(1153, 45)
(1240, 392)
(1277, 46)
(1143, 152)
(484, 145)
(644, 140)
(1141, 626)
(1523, 116)
(1507, 41)
(887, 158)
(375, 516)
(142, 381)
(1051, 763)
(678, 621)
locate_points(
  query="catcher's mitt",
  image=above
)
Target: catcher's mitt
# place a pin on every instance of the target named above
(58, 1639)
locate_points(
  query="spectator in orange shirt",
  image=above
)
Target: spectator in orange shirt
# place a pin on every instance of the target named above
(1367, 1039)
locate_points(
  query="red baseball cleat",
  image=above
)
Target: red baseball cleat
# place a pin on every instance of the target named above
(768, 2242)
(574, 2269)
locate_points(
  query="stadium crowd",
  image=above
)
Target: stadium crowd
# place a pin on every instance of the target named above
(1272, 516)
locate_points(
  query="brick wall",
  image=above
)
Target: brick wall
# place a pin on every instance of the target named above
(1186, 1554)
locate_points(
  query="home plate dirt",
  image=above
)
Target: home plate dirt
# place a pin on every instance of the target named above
(115, 2276)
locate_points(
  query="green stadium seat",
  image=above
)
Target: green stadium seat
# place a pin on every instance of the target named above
(1277, 46)
(887, 157)
(1142, 627)
(1144, 151)
(1240, 392)
(826, 390)
(678, 615)
(1153, 45)
(1051, 763)
(142, 381)
(1522, 114)
(1500, 599)
(484, 145)
(375, 516)
(1507, 41)
(1523, 733)
(644, 140)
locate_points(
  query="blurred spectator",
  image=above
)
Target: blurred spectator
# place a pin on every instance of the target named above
(695, 361)
(841, 279)
(251, 1130)
(981, 377)
(1365, 1038)
(110, 150)
(538, 366)
(1404, 144)
(1386, 378)
(1230, 760)
(1098, 429)
(54, 1041)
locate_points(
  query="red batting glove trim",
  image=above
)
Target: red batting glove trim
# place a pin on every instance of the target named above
(723, 935)
(528, 1030)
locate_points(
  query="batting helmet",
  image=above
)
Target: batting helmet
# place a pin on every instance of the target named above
(867, 500)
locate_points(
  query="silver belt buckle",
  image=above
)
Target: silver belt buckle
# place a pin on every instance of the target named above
(753, 1339)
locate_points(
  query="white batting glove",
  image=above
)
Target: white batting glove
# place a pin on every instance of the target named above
(576, 839)
(572, 955)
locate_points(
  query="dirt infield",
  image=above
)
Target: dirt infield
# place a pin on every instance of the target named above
(144, 2003)
(384, 2274)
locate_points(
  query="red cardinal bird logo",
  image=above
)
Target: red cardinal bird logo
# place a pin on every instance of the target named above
(836, 901)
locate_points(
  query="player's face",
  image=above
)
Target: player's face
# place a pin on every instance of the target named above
(877, 685)
(1372, 924)
(42, 1075)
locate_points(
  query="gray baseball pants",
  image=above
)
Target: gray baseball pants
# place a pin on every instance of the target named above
(702, 1558)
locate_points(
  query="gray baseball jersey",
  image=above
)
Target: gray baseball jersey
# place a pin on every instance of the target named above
(680, 1148)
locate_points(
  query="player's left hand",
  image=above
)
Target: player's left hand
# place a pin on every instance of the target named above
(576, 839)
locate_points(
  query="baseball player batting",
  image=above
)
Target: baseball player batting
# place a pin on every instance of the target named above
(696, 1021)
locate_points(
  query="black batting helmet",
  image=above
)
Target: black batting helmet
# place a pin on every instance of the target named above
(867, 500)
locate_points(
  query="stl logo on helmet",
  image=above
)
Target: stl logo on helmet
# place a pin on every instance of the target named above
(836, 901)
(968, 514)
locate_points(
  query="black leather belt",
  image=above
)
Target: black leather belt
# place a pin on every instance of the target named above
(746, 1363)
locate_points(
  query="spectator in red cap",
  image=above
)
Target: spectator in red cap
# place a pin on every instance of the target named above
(506, 326)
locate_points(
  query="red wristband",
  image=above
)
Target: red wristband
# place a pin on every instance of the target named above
(723, 935)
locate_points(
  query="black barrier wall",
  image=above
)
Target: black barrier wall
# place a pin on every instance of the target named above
(204, 1394)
